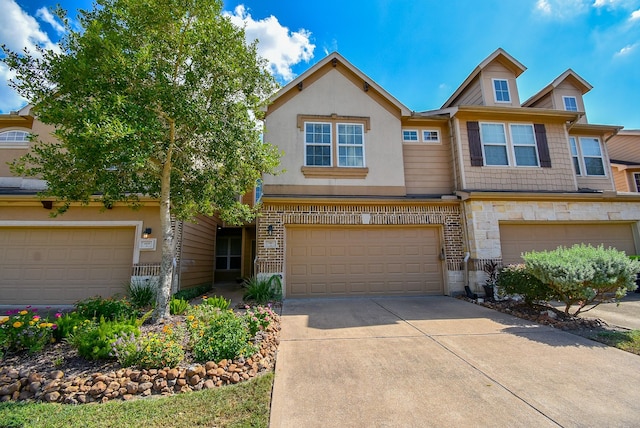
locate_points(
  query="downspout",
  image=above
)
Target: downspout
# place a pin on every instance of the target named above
(467, 289)
(454, 150)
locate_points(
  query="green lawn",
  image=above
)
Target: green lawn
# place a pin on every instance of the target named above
(626, 340)
(243, 405)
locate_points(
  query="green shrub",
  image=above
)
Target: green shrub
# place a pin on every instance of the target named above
(66, 324)
(141, 294)
(226, 337)
(178, 306)
(514, 279)
(109, 309)
(263, 290)
(217, 302)
(191, 293)
(203, 314)
(24, 329)
(149, 351)
(94, 340)
(583, 274)
(258, 318)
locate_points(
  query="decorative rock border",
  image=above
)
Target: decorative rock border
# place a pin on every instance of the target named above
(129, 383)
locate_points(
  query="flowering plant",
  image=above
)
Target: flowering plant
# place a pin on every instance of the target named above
(24, 329)
(258, 318)
(150, 350)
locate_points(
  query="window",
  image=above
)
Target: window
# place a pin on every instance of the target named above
(228, 252)
(410, 135)
(12, 138)
(501, 90)
(494, 144)
(636, 178)
(430, 136)
(258, 191)
(524, 145)
(574, 155)
(317, 140)
(587, 156)
(350, 145)
(570, 103)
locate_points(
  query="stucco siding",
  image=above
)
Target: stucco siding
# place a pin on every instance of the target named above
(336, 94)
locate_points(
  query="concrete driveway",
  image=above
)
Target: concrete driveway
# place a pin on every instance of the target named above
(439, 361)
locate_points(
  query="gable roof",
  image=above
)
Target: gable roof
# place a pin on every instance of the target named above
(336, 58)
(499, 55)
(568, 75)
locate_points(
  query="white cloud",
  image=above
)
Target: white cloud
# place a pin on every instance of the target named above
(281, 47)
(18, 30)
(626, 50)
(635, 15)
(44, 14)
(9, 99)
(562, 9)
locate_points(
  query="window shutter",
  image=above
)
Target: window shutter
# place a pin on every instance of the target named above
(543, 146)
(475, 146)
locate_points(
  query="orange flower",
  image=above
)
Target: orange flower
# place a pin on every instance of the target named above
(23, 312)
(17, 324)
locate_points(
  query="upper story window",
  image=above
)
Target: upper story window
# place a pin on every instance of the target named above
(14, 138)
(524, 145)
(415, 135)
(410, 135)
(258, 191)
(497, 145)
(494, 144)
(570, 103)
(501, 90)
(636, 179)
(587, 156)
(350, 145)
(317, 140)
(430, 136)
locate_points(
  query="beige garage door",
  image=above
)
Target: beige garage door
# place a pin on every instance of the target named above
(60, 265)
(359, 261)
(519, 238)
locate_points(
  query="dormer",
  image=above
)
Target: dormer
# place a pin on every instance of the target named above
(564, 93)
(491, 83)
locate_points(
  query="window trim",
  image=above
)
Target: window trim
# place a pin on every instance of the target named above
(636, 180)
(15, 144)
(417, 132)
(581, 157)
(568, 97)
(495, 91)
(338, 144)
(307, 144)
(334, 171)
(510, 146)
(506, 144)
(429, 141)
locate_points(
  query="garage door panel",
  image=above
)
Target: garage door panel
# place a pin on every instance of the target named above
(363, 260)
(60, 265)
(518, 238)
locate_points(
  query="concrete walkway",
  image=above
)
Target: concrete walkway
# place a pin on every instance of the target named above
(438, 361)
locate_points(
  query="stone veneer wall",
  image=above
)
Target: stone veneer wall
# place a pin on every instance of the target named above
(271, 260)
(483, 219)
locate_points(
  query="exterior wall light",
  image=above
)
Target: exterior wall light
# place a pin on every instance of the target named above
(146, 233)
(270, 230)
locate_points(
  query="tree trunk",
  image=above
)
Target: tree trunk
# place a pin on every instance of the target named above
(168, 246)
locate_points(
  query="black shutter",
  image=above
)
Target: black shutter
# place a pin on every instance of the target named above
(475, 145)
(543, 146)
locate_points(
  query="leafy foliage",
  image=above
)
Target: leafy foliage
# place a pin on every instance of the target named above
(190, 293)
(217, 302)
(263, 290)
(226, 337)
(150, 350)
(258, 318)
(24, 329)
(156, 98)
(178, 306)
(66, 324)
(109, 309)
(583, 274)
(141, 294)
(94, 340)
(514, 279)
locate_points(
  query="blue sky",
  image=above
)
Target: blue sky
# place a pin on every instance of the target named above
(421, 50)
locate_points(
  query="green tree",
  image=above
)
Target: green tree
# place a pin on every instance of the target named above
(149, 97)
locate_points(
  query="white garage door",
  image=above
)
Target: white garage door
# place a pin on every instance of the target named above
(359, 261)
(60, 265)
(519, 238)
